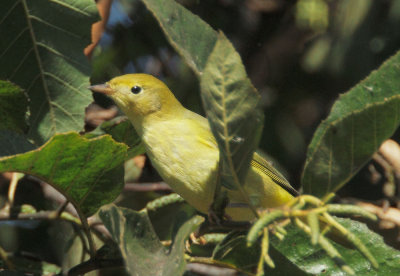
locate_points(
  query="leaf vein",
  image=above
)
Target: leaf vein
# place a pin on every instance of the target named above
(65, 83)
(20, 64)
(70, 7)
(14, 41)
(9, 12)
(66, 112)
(40, 65)
(52, 50)
(38, 19)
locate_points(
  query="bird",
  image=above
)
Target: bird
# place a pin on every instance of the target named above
(182, 148)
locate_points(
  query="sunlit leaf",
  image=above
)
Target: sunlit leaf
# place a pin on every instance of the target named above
(358, 123)
(41, 50)
(140, 247)
(233, 110)
(89, 173)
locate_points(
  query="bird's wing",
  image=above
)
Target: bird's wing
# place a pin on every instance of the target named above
(258, 162)
(202, 129)
(269, 170)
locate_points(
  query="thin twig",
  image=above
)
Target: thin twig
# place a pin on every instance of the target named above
(147, 187)
(42, 215)
(6, 260)
(86, 229)
(12, 188)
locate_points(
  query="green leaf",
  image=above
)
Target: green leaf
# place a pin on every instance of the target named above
(13, 109)
(41, 50)
(122, 130)
(140, 247)
(298, 249)
(358, 123)
(234, 251)
(166, 218)
(191, 37)
(233, 110)
(88, 172)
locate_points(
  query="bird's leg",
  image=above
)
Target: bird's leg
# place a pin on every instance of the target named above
(216, 212)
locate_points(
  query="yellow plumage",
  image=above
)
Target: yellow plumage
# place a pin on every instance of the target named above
(182, 148)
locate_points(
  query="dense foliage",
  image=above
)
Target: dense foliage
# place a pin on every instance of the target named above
(78, 195)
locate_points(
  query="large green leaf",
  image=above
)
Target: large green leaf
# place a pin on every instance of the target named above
(233, 109)
(41, 50)
(140, 247)
(297, 248)
(193, 38)
(89, 173)
(358, 123)
(13, 109)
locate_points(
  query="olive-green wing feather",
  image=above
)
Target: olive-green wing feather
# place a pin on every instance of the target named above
(257, 162)
(263, 165)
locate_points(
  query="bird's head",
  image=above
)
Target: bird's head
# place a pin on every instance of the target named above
(140, 95)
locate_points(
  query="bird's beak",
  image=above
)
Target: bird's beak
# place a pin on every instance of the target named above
(101, 88)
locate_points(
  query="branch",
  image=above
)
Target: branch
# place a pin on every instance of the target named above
(147, 187)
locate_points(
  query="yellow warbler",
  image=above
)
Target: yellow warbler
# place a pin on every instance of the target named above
(182, 148)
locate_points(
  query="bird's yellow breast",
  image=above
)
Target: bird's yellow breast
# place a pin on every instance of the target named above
(185, 154)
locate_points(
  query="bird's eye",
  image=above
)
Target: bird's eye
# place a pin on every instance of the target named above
(136, 89)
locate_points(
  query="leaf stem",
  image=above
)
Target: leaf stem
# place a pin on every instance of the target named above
(342, 209)
(86, 229)
(13, 187)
